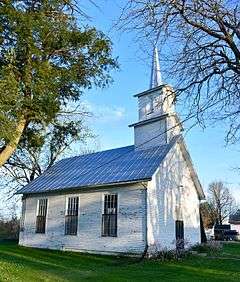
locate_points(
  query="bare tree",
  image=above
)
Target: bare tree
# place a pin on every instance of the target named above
(209, 215)
(201, 39)
(220, 201)
(9, 224)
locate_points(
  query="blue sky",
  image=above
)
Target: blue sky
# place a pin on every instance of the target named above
(115, 108)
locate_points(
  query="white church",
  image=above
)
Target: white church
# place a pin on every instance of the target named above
(129, 200)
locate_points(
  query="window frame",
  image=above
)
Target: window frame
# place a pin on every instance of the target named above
(150, 104)
(66, 215)
(23, 214)
(103, 232)
(37, 230)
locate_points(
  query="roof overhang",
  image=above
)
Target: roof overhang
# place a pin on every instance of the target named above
(85, 188)
(150, 90)
(157, 118)
(235, 222)
(150, 120)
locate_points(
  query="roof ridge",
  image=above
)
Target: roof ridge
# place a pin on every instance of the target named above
(83, 155)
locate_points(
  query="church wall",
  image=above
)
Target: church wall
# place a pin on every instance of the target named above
(172, 196)
(173, 126)
(146, 105)
(146, 134)
(131, 236)
(156, 103)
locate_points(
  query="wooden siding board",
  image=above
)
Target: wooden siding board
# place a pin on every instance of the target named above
(131, 223)
(162, 200)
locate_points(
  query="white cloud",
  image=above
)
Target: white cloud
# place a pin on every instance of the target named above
(105, 113)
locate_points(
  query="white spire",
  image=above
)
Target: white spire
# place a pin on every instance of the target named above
(156, 78)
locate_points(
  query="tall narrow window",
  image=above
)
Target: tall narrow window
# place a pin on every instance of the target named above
(109, 217)
(22, 220)
(41, 216)
(71, 218)
(179, 234)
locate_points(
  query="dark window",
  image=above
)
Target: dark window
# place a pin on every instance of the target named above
(179, 234)
(22, 220)
(71, 218)
(41, 216)
(109, 217)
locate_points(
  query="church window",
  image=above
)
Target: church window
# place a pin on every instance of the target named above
(109, 216)
(41, 216)
(22, 220)
(71, 217)
(149, 106)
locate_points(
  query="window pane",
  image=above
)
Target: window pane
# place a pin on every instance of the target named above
(109, 218)
(23, 215)
(71, 218)
(41, 216)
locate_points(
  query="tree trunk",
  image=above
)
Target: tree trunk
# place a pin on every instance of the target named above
(10, 148)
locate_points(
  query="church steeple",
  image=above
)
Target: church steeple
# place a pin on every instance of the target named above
(156, 78)
(157, 122)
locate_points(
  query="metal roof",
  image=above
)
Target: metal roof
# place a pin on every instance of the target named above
(235, 218)
(102, 168)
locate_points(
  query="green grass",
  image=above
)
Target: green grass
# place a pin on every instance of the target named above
(27, 264)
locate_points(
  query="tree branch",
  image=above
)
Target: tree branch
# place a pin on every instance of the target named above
(10, 148)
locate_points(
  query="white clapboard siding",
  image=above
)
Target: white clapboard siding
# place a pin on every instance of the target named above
(131, 222)
(146, 132)
(172, 196)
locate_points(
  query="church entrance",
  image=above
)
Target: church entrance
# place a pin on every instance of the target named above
(179, 228)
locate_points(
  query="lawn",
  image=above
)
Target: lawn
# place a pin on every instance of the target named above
(26, 264)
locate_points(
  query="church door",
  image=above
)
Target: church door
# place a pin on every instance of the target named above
(179, 227)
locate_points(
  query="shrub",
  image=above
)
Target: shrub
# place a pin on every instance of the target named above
(211, 247)
(165, 254)
(169, 255)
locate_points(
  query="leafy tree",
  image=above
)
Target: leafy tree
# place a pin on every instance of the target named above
(37, 153)
(46, 60)
(201, 39)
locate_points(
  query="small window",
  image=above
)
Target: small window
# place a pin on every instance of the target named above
(149, 106)
(71, 217)
(109, 217)
(41, 216)
(158, 102)
(22, 220)
(179, 234)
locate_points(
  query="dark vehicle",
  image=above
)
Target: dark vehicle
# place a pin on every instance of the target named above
(224, 233)
(230, 235)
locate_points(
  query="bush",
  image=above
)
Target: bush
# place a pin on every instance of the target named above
(164, 254)
(170, 255)
(211, 247)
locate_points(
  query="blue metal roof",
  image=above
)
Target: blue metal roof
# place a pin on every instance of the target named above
(107, 167)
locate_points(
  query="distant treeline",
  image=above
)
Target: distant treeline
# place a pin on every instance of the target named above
(9, 229)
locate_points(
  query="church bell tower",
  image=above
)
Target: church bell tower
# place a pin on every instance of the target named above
(157, 122)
